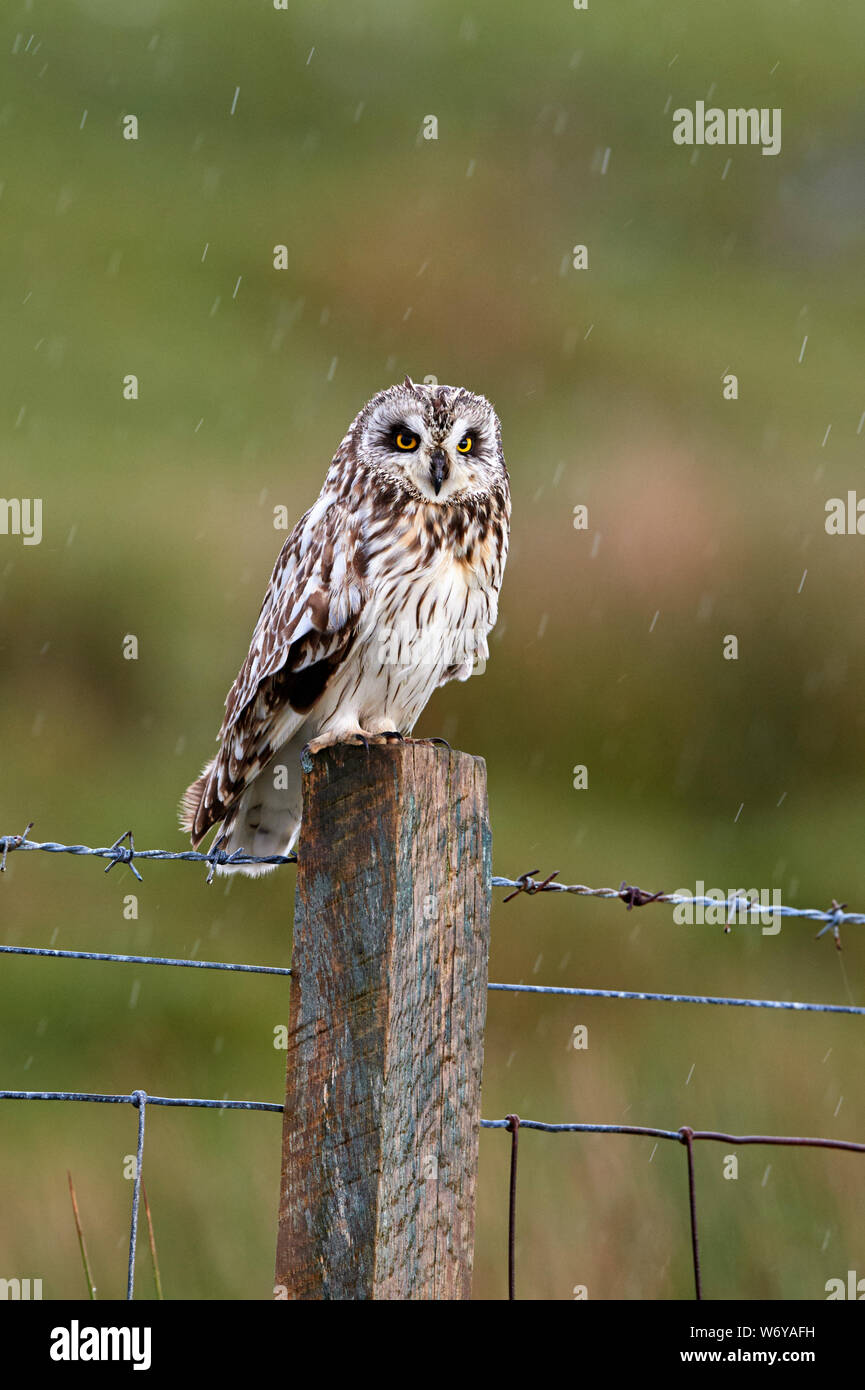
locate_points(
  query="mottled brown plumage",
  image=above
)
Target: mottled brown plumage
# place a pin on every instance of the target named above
(386, 588)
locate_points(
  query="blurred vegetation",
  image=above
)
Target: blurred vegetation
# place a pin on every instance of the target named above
(450, 257)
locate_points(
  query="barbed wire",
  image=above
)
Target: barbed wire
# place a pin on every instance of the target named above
(120, 853)
(737, 906)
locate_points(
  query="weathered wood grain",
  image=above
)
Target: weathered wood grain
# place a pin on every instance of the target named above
(387, 1011)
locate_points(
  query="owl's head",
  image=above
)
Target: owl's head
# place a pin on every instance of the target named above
(442, 443)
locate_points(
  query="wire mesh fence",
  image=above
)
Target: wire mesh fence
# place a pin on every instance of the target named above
(736, 907)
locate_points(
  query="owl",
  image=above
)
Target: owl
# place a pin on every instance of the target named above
(386, 588)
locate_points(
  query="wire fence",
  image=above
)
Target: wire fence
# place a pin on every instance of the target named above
(738, 907)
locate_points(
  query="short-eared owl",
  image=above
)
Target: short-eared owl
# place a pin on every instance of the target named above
(384, 590)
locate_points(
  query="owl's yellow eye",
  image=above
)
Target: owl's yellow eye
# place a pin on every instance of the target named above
(406, 441)
(465, 445)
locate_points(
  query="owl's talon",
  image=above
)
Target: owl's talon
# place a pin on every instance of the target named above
(442, 741)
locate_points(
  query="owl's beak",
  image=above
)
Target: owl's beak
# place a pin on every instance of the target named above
(439, 469)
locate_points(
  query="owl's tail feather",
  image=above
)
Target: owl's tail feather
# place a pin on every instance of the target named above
(194, 817)
(264, 820)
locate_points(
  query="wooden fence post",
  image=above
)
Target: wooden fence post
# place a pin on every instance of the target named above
(385, 1040)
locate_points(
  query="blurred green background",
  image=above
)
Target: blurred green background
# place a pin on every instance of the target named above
(454, 258)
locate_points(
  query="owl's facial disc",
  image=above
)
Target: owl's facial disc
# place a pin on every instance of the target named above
(441, 455)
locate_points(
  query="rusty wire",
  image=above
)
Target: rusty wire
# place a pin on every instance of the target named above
(688, 1140)
(684, 1135)
(513, 1124)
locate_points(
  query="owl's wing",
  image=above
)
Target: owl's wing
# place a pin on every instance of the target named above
(306, 628)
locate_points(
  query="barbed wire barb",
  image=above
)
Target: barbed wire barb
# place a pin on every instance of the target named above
(124, 854)
(837, 910)
(9, 843)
